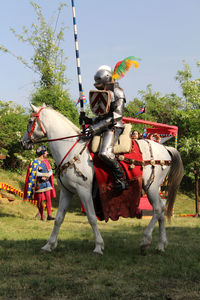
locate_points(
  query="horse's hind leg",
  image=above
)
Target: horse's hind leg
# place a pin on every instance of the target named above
(87, 201)
(65, 197)
(158, 215)
(162, 244)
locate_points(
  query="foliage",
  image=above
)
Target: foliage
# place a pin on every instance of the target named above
(57, 98)
(183, 112)
(189, 122)
(48, 61)
(13, 123)
(161, 109)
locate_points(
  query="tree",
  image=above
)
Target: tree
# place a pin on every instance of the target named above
(183, 112)
(161, 109)
(188, 120)
(13, 123)
(48, 61)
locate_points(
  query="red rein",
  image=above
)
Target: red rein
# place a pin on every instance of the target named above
(37, 117)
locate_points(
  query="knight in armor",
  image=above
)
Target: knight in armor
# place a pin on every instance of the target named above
(110, 124)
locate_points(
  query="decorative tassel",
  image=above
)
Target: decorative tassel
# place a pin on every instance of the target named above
(123, 66)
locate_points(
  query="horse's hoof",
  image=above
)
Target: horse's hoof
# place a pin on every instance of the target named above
(161, 247)
(46, 249)
(98, 251)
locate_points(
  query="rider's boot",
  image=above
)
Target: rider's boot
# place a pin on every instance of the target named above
(120, 182)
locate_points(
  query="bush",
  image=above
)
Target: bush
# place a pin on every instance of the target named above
(13, 123)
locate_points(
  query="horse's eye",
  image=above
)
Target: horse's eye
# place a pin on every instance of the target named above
(30, 122)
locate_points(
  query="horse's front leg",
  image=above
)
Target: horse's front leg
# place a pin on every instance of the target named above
(87, 201)
(65, 198)
(158, 213)
(147, 236)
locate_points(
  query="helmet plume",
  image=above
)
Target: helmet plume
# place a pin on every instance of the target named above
(123, 66)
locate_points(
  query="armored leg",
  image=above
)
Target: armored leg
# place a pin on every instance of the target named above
(106, 154)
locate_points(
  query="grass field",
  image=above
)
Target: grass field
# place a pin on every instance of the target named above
(72, 271)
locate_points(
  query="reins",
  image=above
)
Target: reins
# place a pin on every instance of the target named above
(59, 139)
(68, 153)
(30, 133)
(37, 118)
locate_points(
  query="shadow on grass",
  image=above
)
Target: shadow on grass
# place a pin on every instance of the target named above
(116, 241)
(4, 215)
(72, 271)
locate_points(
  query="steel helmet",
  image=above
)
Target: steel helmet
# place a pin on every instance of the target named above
(102, 76)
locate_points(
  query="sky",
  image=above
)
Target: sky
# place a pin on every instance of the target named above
(163, 33)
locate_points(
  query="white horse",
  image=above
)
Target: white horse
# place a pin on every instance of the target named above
(78, 177)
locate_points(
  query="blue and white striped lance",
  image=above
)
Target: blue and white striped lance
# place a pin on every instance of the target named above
(77, 59)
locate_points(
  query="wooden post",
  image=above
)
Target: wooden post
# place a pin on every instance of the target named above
(196, 175)
(2, 156)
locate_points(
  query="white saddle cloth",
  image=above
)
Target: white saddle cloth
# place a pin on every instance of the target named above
(123, 145)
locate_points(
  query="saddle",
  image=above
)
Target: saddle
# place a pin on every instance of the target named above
(123, 145)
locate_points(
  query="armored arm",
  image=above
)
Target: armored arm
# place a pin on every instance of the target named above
(115, 115)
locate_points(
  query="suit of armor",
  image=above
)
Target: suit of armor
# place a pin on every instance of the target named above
(110, 125)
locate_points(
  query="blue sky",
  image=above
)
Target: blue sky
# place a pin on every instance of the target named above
(162, 33)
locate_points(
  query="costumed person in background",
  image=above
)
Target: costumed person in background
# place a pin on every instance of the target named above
(151, 137)
(157, 137)
(39, 183)
(110, 124)
(136, 135)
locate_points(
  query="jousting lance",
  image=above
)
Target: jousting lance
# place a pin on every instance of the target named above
(82, 112)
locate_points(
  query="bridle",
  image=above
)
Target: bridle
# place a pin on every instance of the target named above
(37, 119)
(31, 131)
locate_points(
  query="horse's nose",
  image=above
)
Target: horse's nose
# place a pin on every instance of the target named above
(22, 144)
(26, 146)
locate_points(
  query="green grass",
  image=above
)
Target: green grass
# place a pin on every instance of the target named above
(72, 271)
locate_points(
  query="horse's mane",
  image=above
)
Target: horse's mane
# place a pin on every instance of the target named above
(66, 120)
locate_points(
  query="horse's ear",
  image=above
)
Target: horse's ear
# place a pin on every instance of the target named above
(34, 108)
(44, 105)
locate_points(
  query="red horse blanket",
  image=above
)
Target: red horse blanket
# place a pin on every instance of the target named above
(112, 203)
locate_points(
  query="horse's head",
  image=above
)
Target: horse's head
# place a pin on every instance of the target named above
(35, 128)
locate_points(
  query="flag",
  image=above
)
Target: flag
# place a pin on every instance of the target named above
(144, 134)
(142, 110)
(84, 100)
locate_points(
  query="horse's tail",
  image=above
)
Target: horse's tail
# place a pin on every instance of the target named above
(174, 179)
